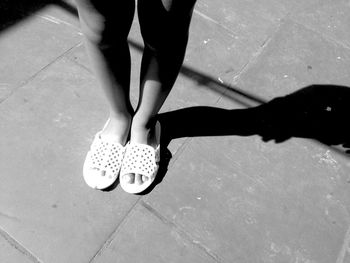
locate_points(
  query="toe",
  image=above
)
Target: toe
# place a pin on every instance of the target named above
(138, 179)
(144, 178)
(129, 178)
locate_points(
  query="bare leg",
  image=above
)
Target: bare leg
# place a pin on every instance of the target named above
(164, 27)
(106, 25)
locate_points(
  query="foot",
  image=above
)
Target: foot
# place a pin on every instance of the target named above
(98, 171)
(142, 134)
(117, 129)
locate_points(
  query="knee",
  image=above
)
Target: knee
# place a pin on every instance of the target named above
(93, 32)
(92, 23)
(100, 26)
(165, 24)
(171, 43)
(164, 34)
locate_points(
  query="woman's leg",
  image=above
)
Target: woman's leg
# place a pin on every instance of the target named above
(164, 27)
(106, 25)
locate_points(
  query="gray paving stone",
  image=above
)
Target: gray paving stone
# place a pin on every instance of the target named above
(212, 50)
(47, 128)
(238, 199)
(10, 254)
(145, 237)
(295, 58)
(39, 39)
(243, 18)
(251, 201)
(234, 32)
(229, 32)
(63, 11)
(331, 19)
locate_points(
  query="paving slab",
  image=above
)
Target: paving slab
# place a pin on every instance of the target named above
(243, 17)
(329, 18)
(227, 35)
(295, 58)
(251, 201)
(224, 199)
(219, 52)
(147, 237)
(247, 200)
(39, 39)
(47, 128)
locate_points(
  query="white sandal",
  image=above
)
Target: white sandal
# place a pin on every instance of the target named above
(103, 162)
(140, 159)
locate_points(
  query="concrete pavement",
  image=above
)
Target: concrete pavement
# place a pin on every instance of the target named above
(248, 179)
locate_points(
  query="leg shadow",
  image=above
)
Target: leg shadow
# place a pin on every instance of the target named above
(14, 11)
(318, 112)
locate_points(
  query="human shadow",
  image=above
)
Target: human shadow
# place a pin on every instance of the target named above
(14, 11)
(318, 112)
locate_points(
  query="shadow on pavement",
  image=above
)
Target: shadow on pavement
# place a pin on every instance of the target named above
(14, 11)
(318, 112)
(205, 81)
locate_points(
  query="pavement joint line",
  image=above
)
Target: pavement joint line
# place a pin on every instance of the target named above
(75, 61)
(114, 233)
(140, 201)
(59, 57)
(240, 97)
(329, 38)
(179, 151)
(259, 52)
(254, 59)
(180, 231)
(251, 62)
(19, 247)
(191, 73)
(110, 239)
(187, 72)
(183, 146)
(30, 78)
(326, 37)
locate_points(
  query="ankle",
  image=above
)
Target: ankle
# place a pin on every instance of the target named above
(120, 116)
(118, 127)
(140, 122)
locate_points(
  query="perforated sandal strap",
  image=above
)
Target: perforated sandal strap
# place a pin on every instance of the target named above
(141, 159)
(106, 154)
